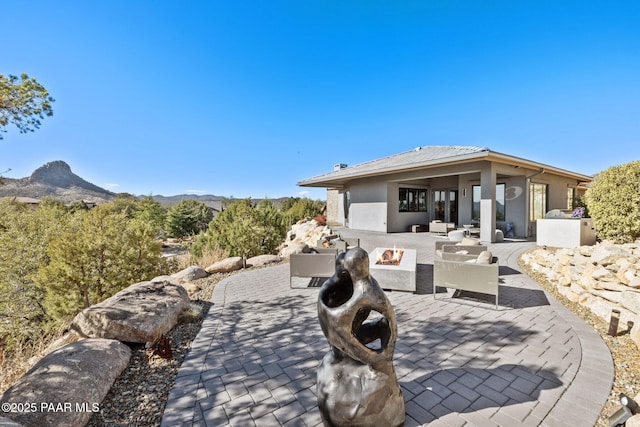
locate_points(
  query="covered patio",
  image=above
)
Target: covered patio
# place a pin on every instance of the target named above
(464, 185)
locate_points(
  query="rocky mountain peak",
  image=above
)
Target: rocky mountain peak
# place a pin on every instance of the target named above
(57, 180)
(56, 172)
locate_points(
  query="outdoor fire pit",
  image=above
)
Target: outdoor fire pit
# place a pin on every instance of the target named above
(394, 269)
(390, 257)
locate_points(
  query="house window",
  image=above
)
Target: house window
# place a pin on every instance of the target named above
(538, 199)
(412, 200)
(500, 202)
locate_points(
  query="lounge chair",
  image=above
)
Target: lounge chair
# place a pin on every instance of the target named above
(319, 263)
(469, 272)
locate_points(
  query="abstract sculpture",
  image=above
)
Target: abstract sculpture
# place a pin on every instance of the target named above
(357, 385)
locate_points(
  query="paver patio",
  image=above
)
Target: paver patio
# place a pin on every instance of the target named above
(460, 362)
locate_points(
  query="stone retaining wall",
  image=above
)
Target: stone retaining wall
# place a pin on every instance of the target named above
(603, 277)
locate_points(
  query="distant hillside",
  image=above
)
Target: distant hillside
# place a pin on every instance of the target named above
(172, 200)
(55, 179)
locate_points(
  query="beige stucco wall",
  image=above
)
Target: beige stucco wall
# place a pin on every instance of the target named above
(368, 209)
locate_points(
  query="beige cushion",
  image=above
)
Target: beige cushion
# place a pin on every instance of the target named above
(485, 257)
(470, 241)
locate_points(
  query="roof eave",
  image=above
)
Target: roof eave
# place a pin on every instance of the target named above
(512, 160)
(342, 176)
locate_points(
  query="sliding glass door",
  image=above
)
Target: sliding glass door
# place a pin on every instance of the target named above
(445, 205)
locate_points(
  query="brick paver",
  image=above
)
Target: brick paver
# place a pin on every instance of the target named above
(459, 361)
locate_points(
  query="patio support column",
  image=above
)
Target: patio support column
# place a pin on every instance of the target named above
(488, 203)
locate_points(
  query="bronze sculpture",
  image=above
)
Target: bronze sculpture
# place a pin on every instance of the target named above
(357, 384)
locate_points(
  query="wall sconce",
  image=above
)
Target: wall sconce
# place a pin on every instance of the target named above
(464, 192)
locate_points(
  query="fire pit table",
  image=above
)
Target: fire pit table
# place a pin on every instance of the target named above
(394, 269)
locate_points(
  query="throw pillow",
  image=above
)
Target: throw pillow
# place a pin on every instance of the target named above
(485, 257)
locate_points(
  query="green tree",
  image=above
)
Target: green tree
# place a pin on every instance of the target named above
(244, 229)
(24, 235)
(613, 199)
(98, 254)
(80, 205)
(152, 212)
(297, 208)
(23, 102)
(188, 218)
(125, 203)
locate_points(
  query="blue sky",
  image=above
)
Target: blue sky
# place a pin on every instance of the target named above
(245, 99)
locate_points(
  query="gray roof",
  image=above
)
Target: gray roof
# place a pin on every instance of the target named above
(422, 157)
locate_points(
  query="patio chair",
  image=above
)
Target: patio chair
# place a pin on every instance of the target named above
(320, 263)
(338, 242)
(468, 272)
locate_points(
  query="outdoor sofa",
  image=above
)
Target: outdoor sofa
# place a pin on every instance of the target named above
(453, 268)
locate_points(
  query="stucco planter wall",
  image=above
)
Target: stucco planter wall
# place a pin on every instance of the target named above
(565, 232)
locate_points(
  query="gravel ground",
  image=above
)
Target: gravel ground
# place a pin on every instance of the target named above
(139, 395)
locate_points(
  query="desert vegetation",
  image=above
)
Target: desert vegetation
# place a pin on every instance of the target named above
(57, 259)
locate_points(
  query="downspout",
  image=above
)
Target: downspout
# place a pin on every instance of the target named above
(528, 200)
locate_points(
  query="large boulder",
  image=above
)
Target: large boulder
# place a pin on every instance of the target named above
(303, 233)
(226, 265)
(189, 274)
(607, 253)
(66, 386)
(261, 260)
(631, 301)
(294, 248)
(141, 313)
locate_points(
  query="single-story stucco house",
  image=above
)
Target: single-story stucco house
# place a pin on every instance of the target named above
(458, 184)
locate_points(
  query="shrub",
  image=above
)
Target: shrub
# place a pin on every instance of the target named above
(580, 209)
(613, 200)
(243, 230)
(296, 208)
(206, 256)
